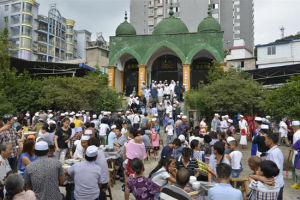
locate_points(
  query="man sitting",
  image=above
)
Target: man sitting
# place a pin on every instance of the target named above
(224, 190)
(177, 191)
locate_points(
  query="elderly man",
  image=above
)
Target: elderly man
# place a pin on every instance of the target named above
(177, 191)
(215, 123)
(182, 125)
(9, 136)
(5, 152)
(44, 175)
(87, 176)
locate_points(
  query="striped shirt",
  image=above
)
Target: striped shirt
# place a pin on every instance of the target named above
(191, 166)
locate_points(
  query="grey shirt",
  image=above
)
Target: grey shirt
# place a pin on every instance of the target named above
(87, 177)
(43, 175)
(102, 163)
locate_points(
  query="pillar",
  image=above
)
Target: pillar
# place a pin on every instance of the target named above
(142, 77)
(186, 76)
(122, 81)
(111, 76)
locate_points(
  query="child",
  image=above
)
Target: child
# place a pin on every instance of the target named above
(235, 159)
(51, 151)
(259, 190)
(155, 138)
(243, 141)
(141, 187)
(168, 150)
(170, 132)
(296, 146)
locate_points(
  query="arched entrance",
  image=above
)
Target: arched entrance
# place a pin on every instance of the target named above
(200, 66)
(131, 74)
(167, 67)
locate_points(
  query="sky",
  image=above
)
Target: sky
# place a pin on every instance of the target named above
(105, 15)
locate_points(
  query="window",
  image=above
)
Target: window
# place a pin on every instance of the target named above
(237, 31)
(237, 9)
(27, 19)
(104, 54)
(26, 43)
(272, 50)
(215, 6)
(6, 19)
(238, 17)
(26, 31)
(6, 7)
(177, 9)
(16, 7)
(237, 24)
(27, 7)
(236, 2)
(215, 15)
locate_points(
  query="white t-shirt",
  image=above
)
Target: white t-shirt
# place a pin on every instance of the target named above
(124, 131)
(4, 169)
(170, 130)
(236, 157)
(161, 177)
(243, 124)
(202, 125)
(283, 131)
(169, 110)
(160, 92)
(136, 119)
(103, 129)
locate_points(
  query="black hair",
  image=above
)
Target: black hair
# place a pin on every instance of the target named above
(219, 147)
(164, 161)
(136, 165)
(72, 125)
(45, 127)
(94, 141)
(41, 153)
(87, 124)
(213, 135)
(229, 133)
(207, 139)
(104, 120)
(52, 127)
(182, 177)
(93, 125)
(223, 171)
(51, 147)
(64, 120)
(222, 135)
(145, 114)
(133, 131)
(194, 144)
(269, 168)
(259, 122)
(7, 117)
(274, 137)
(265, 131)
(18, 128)
(187, 152)
(176, 142)
(89, 158)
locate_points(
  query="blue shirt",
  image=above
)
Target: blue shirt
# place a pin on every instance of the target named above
(111, 138)
(167, 151)
(224, 191)
(254, 146)
(154, 93)
(177, 152)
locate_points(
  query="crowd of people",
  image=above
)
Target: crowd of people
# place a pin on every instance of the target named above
(35, 146)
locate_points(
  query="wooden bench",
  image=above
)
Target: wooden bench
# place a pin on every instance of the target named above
(243, 188)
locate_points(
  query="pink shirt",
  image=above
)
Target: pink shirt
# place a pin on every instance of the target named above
(28, 195)
(135, 150)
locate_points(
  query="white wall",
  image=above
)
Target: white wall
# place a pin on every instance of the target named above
(282, 51)
(118, 80)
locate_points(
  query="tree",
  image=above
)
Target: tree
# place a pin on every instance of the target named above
(227, 92)
(284, 101)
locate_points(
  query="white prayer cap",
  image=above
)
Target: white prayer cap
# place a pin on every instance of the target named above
(41, 119)
(178, 116)
(175, 95)
(85, 137)
(181, 138)
(104, 113)
(217, 115)
(77, 115)
(27, 115)
(80, 115)
(127, 112)
(41, 146)
(136, 97)
(230, 120)
(160, 103)
(241, 116)
(113, 126)
(230, 139)
(226, 116)
(153, 119)
(83, 111)
(155, 115)
(36, 114)
(268, 116)
(94, 116)
(15, 118)
(264, 127)
(92, 151)
(223, 117)
(184, 117)
(88, 132)
(66, 113)
(50, 115)
(62, 114)
(131, 95)
(259, 119)
(109, 112)
(295, 123)
(87, 112)
(72, 113)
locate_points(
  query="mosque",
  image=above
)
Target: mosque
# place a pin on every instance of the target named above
(170, 53)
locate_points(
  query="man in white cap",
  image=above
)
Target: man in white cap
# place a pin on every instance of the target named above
(259, 140)
(257, 122)
(243, 125)
(87, 176)
(44, 175)
(81, 147)
(50, 119)
(215, 123)
(224, 124)
(96, 122)
(182, 125)
(160, 93)
(112, 136)
(283, 130)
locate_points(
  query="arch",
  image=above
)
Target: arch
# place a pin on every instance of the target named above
(206, 47)
(129, 51)
(159, 45)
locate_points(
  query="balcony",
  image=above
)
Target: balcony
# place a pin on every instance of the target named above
(16, 7)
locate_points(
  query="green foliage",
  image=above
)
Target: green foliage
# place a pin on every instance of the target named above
(227, 92)
(5, 105)
(284, 101)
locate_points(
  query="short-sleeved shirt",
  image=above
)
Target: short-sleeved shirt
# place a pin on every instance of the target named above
(77, 123)
(103, 129)
(87, 177)
(4, 169)
(48, 137)
(191, 166)
(62, 137)
(224, 191)
(167, 151)
(9, 136)
(121, 140)
(275, 154)
(102, 163)
(161, 177)
(142, 188)
(236, 157)
(43, 175)
(111, 138)
(174, 192)
(213, 163)
(146, 141)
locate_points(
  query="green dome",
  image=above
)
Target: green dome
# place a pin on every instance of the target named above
(209, 24)
(170, 25)
(125, 28)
